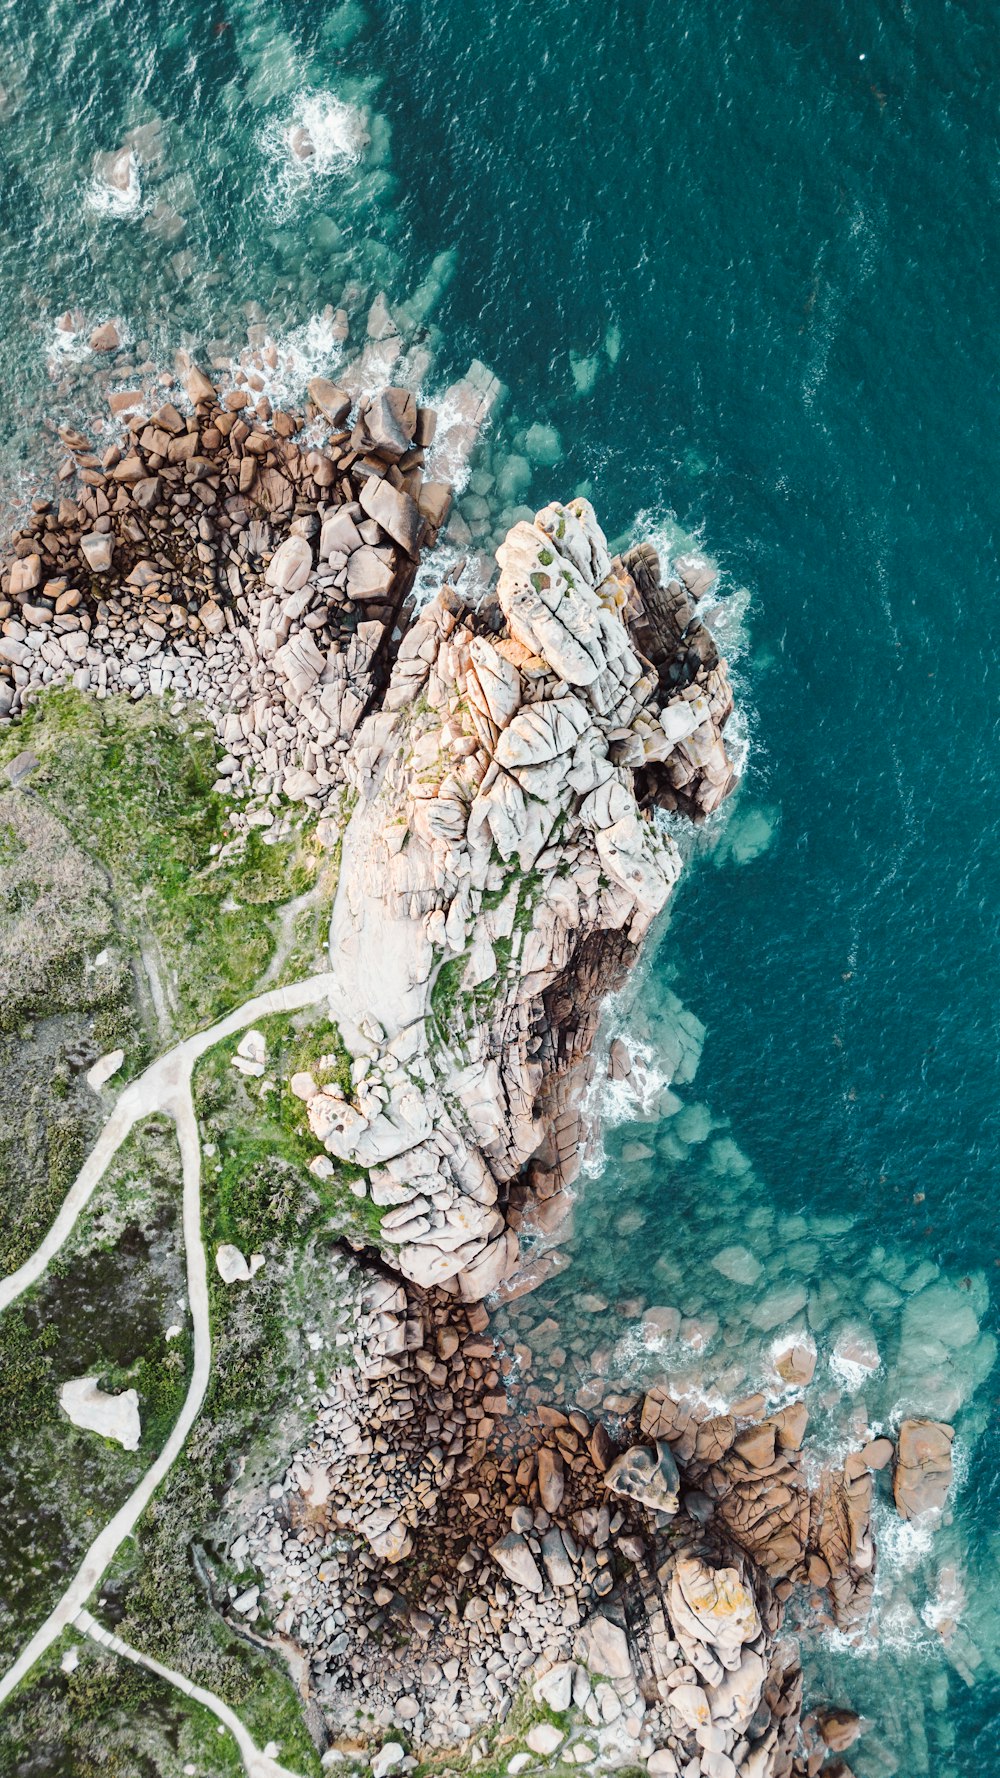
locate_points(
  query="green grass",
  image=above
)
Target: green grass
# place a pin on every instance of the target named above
(456, 1010)
(132, 785)
(101, 1310)
(258, 1185)
(257, 1193)
(108, 1719)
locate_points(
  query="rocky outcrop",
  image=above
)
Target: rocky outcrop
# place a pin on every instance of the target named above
(257, 560)
(499, 874)
(500, 760)
(923, 1471)
(753, 1476)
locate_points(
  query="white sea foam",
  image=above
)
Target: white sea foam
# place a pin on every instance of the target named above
(311, 350)
(608, 1102)
(106, 195)
(852, 1375)
(66, 346)
(450, 455)
(319, 136)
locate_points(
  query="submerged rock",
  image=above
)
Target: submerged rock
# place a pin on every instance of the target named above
(923, 1471)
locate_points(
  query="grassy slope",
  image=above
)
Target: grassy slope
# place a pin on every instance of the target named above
(132, 786)
(124, 794)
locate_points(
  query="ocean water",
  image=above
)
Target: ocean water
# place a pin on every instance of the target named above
(736, 267)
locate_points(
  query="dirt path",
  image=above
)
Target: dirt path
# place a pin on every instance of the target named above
(166, 1087)
(155, 1090)
(258, 1764)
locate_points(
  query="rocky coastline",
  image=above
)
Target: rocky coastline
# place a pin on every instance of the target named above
(448, 1553)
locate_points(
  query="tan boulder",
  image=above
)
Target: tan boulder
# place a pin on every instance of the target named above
(105, 338)
(333, 403)
(398, 515)
(790, 1425)
(923, 1470)
(291, 565)
(756, 1445)
(839, 1729)
(551, 1478)
(649, 1477)
(386, 424)
(713, 1607)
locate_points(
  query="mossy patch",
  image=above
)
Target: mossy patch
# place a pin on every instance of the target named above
(132, 786)
(257, 1183)
(108, 1718)
(101, 1310)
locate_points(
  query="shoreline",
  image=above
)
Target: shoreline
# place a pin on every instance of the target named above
(489, 770)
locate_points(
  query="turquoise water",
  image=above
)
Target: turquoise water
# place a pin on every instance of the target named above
(742, 259)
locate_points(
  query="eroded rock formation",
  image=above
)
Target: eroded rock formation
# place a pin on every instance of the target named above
(498, 878)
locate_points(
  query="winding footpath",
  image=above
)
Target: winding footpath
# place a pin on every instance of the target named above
(164, 1087)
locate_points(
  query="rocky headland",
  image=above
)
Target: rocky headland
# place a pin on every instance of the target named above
(452, 1565)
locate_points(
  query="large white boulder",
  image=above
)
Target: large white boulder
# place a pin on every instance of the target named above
(112, 1416)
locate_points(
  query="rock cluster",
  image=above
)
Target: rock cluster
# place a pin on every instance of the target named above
(751, 1475)
(257, 560)
(620, 1559)
(532, 1570)
(445, 1547)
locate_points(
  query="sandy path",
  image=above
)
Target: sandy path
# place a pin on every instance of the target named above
(165, 1086)
(257, 1763)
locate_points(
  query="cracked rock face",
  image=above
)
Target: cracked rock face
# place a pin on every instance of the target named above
(498, 856)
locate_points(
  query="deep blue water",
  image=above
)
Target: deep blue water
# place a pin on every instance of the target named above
(783, 218)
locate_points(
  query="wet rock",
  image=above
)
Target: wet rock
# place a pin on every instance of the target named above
(923, 1471)
(105, 338)
(795, 1361)
(839, 1729)
(333, 403)
(197, 386)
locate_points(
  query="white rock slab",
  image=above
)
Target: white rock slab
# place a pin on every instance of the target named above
(112, 1416)
(231, 1264)
(104, 1068)
(251, 1053)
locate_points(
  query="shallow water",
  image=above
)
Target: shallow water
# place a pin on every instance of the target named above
(736, 268)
